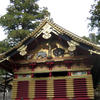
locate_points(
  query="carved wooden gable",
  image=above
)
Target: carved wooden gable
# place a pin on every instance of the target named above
(48, 42)
(49, 45)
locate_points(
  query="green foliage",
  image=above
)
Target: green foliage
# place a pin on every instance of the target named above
(21, 18)
(92, 38)
(4, 46)
(86, 38)
(95, 16)
(95, 21)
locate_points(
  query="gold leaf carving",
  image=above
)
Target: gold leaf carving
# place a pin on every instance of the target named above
(92, 51)
(22, 50)
(72, 45)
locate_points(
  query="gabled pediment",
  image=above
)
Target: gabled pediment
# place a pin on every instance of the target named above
(46, 33)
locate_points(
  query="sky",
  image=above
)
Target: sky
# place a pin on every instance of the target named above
(70, 14)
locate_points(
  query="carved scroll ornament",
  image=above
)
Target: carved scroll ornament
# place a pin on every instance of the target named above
(72, 45)
(22, 50)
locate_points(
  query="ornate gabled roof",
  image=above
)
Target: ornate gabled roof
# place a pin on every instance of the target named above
(56, 29)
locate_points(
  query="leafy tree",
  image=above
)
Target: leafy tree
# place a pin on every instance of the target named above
(95, 19)
(4, 46)
(92, 38)
(21, 18)
(86, 38)
(95, 16)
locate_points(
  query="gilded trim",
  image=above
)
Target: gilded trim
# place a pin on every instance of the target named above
(22, 50)
(50, 88)
(69, 87)
(31, 92)
(90, 89)
(7, 58)
(73, 69)
(72, 45)
(53, 78)
(93, 51)
(14, 90)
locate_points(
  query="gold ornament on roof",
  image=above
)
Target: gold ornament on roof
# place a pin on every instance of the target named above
(46, 35)
(93, 51)
(7, 58)
(72, 45)
(22, 50)
(46, 31)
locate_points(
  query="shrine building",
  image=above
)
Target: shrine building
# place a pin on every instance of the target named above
(52, 63)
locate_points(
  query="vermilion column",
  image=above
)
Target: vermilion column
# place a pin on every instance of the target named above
(69, 67)
(50, 73)
(50, 64)
(33, 65)
(68, 63)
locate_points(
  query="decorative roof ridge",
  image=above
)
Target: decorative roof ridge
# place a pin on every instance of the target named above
(72, 35)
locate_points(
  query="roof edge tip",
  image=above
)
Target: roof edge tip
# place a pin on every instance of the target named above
(48, 18)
